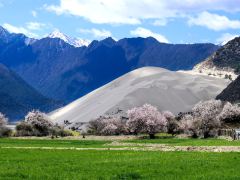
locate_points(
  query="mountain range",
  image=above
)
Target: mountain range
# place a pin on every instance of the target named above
(17, 97)
(232, 92)
(225, 61)
(61, 71)
(76, 42)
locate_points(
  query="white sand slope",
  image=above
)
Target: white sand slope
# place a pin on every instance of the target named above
(168, 90)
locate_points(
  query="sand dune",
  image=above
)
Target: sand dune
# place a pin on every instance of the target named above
(168, 90)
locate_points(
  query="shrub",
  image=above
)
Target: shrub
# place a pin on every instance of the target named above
(106, 125)
(4, 131)
(109, 129)
(37, 123)
(25, 129)
(3, 120)
(172, 123)
(40, 122)
(189, 125)
(146, 119)
(60, 131)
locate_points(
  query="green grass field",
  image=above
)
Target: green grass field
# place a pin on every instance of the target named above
(6, 142)
(107, 164)
(187, 142)
(65, 164)
(171, 141)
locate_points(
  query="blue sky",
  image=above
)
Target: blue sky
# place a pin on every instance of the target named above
(172, 21)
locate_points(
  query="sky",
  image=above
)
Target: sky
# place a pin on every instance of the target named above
(169, 21)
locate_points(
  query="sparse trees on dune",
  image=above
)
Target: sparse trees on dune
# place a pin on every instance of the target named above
(146, 119)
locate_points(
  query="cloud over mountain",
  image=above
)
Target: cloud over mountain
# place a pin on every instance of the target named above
(135, 11)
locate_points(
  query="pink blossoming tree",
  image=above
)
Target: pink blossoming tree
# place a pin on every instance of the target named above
(146, 119)
(106, 125)
(39, 121)
(230, 113)
(204, 120)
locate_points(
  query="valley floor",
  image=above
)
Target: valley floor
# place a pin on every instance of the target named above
(119, 158)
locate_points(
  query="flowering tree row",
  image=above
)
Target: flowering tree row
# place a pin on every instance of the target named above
(207, 117)
(144, 119)
(205, 120)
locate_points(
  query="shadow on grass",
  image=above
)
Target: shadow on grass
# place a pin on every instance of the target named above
(127, 176)
(157, 137)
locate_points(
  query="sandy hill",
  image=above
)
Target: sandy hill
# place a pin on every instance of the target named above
(168, 90)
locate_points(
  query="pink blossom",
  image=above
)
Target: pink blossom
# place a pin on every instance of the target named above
(146, 119)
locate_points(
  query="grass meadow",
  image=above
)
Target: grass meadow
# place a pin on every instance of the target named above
(109, 164)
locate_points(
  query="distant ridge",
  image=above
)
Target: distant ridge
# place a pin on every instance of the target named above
(225, 61)
(17, 97)
(61, 71)
(72, 41)
(232, 92)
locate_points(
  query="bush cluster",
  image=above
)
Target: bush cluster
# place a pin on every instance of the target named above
(207, 117)
(37, 123)
(205, 120)
(107, 125)
(145, 119)
(4, 130)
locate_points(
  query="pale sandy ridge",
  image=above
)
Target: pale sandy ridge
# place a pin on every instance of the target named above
(168, 90)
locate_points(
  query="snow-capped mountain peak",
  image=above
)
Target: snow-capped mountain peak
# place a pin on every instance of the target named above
(2, 30)
(4, 34)
(58, 34)
(72, 41)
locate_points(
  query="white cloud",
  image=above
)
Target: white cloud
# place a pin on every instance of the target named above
(214, 21)
(34, 13)
(134, 11)
(142, 32)
(225, 38)
(160, 22)
(19, 30)
(97, 33)
(35, 25)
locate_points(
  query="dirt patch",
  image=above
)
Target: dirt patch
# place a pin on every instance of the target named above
(117, 146)
(164, 147)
